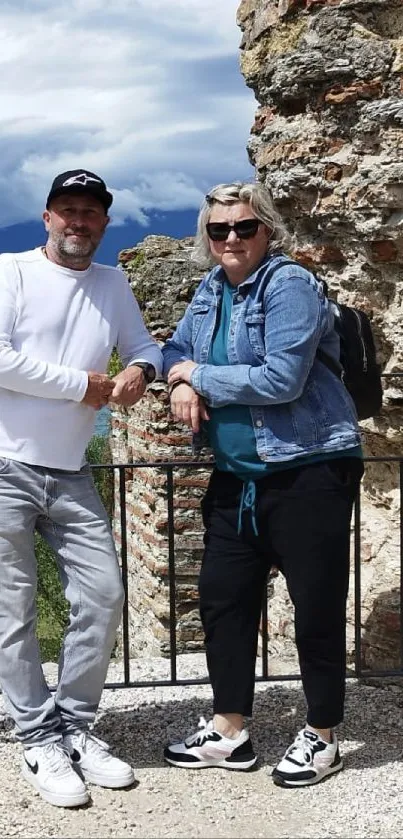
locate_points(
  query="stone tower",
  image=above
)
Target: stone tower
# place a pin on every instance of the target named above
(328, 141)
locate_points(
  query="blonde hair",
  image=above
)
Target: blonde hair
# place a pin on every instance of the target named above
(261, 203)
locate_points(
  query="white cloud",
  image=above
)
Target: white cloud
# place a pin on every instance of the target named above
(148, 93)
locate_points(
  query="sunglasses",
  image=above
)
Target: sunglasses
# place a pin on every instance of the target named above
(218, 231)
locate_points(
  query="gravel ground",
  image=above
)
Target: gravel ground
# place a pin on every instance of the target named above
(364, 800)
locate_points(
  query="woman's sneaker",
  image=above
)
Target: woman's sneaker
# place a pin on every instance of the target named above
(207, 747)
(92, 760)
(307, 761)
(48, 768)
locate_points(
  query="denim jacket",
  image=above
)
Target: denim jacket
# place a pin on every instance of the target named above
(280, 316)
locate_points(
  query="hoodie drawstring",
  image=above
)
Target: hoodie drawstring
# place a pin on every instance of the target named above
(247, 502)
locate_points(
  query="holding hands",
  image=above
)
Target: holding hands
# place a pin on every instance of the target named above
(126, 388)
(129, 386)
(99, 389)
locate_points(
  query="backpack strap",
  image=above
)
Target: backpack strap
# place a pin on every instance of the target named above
(322, 356)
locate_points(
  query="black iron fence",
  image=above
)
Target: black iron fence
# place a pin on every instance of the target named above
(168, 468)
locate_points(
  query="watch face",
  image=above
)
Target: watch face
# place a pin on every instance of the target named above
(148, 370)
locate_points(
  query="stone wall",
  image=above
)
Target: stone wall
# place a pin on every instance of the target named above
(163, 280)
(328, 140)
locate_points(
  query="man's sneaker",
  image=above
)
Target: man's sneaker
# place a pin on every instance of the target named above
(308, 760)
(208, 747)
(93, 761)
(48, 768)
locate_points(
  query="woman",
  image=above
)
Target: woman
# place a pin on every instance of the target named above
(242, 365)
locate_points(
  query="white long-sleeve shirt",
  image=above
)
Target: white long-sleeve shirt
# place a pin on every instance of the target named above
(56, 324)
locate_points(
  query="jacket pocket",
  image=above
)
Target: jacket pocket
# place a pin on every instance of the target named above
(255, 323)
(199, 309)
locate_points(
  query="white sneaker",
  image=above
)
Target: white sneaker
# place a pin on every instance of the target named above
(91, 758)
(207, 747)
(307, 761)
(48, 768)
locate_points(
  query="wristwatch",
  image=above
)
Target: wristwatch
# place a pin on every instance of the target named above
(148, 369)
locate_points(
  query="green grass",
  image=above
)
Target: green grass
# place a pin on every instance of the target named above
(115, 365)
(51, 604)
(52, 607)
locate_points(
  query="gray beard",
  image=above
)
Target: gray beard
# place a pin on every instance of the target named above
(78, 250)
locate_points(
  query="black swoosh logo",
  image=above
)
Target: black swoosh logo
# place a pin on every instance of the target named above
(33, 767)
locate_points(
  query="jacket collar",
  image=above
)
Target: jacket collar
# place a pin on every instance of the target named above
(217, 275)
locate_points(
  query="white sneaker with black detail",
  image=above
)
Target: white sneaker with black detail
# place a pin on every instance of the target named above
(48, 768)
(92, 760)
(207, 747)
(307, 761)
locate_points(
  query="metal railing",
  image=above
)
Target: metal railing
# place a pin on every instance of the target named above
(357, 671)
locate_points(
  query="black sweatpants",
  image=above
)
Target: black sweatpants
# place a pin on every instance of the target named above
(303, 518)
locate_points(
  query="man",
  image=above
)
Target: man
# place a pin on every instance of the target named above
(60, 317)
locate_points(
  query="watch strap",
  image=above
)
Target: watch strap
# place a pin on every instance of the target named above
(148, 369)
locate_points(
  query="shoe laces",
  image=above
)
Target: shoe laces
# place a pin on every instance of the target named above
(56, 757)
(305, 742)
(90, 744)
(198, 738)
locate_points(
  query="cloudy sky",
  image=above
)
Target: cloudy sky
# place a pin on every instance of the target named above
(146, 93)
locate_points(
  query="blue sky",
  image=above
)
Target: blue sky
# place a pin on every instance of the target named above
(146, 93)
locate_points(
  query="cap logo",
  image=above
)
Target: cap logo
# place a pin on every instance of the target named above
(82, 180)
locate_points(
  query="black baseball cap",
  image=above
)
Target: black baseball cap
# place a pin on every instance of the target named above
(80, 181)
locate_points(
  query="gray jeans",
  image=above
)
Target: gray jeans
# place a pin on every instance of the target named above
(66, 510)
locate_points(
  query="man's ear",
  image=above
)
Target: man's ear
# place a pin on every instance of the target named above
(46, 219)
(107, 220)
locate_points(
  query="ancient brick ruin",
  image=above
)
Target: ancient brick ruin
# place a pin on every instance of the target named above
(328, 140)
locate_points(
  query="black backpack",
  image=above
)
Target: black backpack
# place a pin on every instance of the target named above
(358, 368)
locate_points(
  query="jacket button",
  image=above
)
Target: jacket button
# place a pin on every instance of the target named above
(239, 298)
(259, 423)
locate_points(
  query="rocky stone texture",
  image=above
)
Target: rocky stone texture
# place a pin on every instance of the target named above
(163, 279)
(328, 140)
